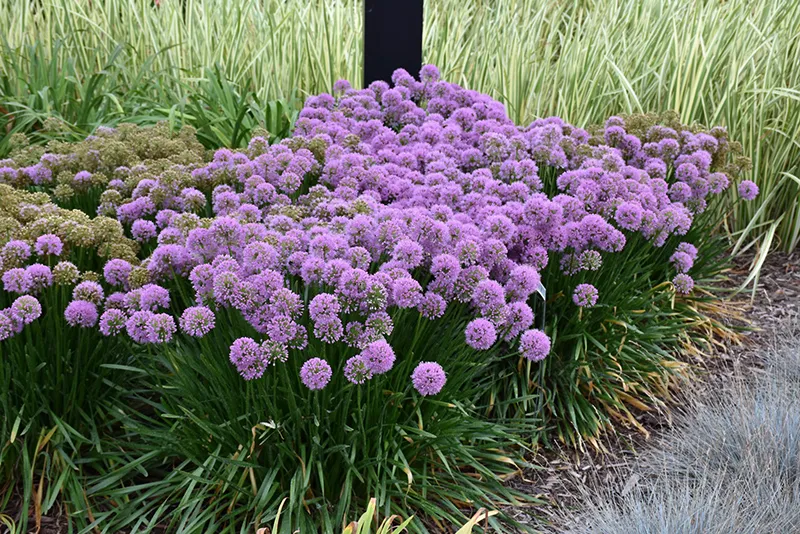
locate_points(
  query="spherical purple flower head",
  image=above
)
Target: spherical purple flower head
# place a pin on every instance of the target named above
(379, 356)
(534, 345)
(274, 351)
(467, 280)
(27, 308)
(681, 261)
(518, 318)
(488, 297)
(322, 306)
(7, 329)
(160, 328)
(408, 254)
(683, 283)
(282, 328)
(429, 74)
(197, 321)
(15, 281)
(341, 86)
(522, 282)
(137, 326)
(428, 378)
(226, 287)
(585, 295)
(81, 313)
(406, 292)
(480, 334)
(687, 248)
(432, 306)
(88, 290)
(82, 178)
(680, 192)
(152, 297)
(112, 322)
(748, 190)
(115, 301)
(356, 370)
(16, 250)
(248, 358)
(718, 182)
(315, 373)
(49, 244)
(143, 230)
(328, 328)
(629, 215)
(38, 276)
(116, 272)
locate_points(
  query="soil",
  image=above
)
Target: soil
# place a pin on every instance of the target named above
(564, 476)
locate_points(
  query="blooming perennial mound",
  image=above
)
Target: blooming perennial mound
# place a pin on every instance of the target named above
(420, 195)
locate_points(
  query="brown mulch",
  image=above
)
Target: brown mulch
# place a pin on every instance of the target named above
(563, 476)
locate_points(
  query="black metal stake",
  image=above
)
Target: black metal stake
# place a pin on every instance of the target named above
(392, 38)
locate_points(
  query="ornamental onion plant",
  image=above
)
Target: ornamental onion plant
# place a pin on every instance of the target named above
(353, 311)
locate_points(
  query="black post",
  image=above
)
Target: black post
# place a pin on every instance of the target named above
(392, 38)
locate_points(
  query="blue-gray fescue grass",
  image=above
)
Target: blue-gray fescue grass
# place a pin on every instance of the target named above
(732, 465)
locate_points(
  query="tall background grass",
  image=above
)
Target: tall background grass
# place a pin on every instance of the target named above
(714, 62)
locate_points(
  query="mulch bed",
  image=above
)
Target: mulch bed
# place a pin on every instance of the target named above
(563, 476)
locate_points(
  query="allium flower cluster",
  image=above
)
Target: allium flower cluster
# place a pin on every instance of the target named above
(421, 197)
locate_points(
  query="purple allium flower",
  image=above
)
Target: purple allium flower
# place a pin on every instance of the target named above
(687, 248)
(49, 244)
(17, 250)
(116, 272)
(15, 281)
(160, 328)
(6, 325)
(197, 321)
(518, 317)
(356, 370)
(137, 326)
(27, 308)
(408, 254)
(82, 178)
(328, 328)
(683, 283)
(88, 290)
(585, 295)
(248, 358)
(143, 230)
(682, 261)
(748, 190)
(81, 313)
(152, 297)
(432, 306)
(379, 356)
(323, 305)
(522, 282)
(406, 292)
(534, 345)
(274, 351)
(428, 378)
(38, 277)
(315, 373)
(629, 215)
(112, 322)
(480, 334)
